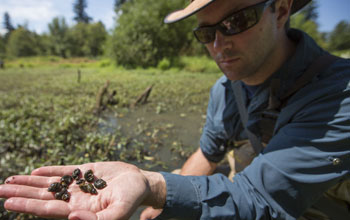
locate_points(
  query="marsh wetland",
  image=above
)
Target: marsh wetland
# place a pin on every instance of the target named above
(48, 117)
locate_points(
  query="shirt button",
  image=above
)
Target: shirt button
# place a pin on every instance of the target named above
(336, 161)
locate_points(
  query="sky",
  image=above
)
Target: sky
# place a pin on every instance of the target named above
(38, 13)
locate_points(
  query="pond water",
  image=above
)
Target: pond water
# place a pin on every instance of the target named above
(178, 132)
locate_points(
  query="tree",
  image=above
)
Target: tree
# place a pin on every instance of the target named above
(96, 39)
(79, 10)
(42, 44)
(77, 39)
(2, 47)
(21, 43)
(118, 4)
(310, 27)
(306, 20)
(87, 39)
(7, 23)
(339, 38)
(142, 39)
(58, 37)
(310, 11)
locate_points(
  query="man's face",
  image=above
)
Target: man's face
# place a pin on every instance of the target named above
(241, 56)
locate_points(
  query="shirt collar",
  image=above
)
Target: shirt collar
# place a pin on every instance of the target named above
(306, 52)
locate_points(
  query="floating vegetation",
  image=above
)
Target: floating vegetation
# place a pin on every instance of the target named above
(46, 118)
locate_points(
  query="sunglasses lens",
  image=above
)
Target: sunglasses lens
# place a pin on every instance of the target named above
(234, 24)
(205, 35)
(239, 22)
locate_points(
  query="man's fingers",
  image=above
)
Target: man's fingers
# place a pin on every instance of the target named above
(10, 190)
(54, 171)
(51, 208)
(82, 215)
(150, 213)
(35, 181)
(107, 214)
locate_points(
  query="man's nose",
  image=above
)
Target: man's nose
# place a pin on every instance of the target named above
(221, 41)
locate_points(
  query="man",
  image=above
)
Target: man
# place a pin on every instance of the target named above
(304, 166)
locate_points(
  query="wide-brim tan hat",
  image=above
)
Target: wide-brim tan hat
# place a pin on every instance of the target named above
(197, 5)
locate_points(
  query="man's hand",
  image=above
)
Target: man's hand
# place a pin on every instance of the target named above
(127, 188)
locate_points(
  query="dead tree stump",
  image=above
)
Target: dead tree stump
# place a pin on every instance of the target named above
(79, 76)
(2, 64)
(142, 99)
(100, 106)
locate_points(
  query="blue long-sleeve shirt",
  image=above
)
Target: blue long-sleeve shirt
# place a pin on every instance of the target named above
(298, 164)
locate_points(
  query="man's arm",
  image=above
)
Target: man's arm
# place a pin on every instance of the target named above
(294, 170)
(198, 165)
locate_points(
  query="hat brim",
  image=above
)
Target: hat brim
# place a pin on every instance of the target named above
(198, 5)
(191, 9)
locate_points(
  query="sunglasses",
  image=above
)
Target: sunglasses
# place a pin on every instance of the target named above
(233, 24)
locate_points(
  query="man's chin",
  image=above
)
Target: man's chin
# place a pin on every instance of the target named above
(232, 76)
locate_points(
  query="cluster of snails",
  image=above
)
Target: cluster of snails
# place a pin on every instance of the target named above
(61, 188)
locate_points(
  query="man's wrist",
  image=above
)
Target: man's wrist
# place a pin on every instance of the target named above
(157, 189)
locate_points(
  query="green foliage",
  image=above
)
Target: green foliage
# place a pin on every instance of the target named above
(310, 11)
(46, 117)
(164, 64)
(104, 63)
(21, 43)
(59, 43)
(2, 47)
(299, 21)
(118, 4)
(342, 53)
(197, 64)
(87, 39)
(79, 10)
(142, 39)
(77, 39)
(96, 38)
(339, 38)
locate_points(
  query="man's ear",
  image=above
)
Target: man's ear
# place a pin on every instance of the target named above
(282, 10)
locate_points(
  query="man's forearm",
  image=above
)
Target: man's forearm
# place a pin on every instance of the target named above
(198, 165)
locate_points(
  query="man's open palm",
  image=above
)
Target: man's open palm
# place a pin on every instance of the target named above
(126, 189)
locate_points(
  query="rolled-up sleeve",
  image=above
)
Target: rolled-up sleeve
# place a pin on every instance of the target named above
(211, 140)
(296, 168)
(213, 136)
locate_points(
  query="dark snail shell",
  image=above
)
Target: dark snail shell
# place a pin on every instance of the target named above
(76, 174)
(89, 176)
(65, 197)
(100, 184)
(80, 181)
(91, 189)
(84, 187)
(55, 187)
(66, 180)
(59, 195)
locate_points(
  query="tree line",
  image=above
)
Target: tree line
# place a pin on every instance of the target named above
(139, 37)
